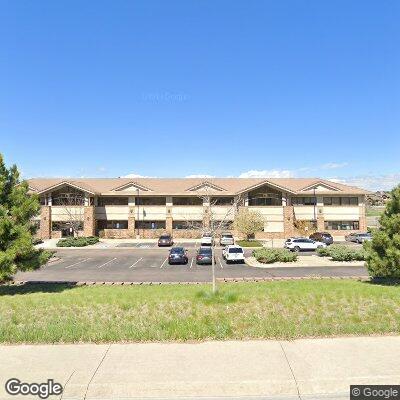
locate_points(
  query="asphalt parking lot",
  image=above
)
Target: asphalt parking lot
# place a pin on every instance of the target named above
(136, 264)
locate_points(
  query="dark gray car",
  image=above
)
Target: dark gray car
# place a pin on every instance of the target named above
(323, 237)
(177, 255)
(204, 256)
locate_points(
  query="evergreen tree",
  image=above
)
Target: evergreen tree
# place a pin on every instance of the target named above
(17, 208)
(383, 251)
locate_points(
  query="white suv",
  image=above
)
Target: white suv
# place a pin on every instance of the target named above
(233, 253)
(226, 239)
(207, 240)
(302, 243)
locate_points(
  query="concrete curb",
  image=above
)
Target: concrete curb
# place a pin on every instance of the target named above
(220, 280)
(252, 262)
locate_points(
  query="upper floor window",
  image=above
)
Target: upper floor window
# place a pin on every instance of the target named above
(187, 201)
(340, 201)
(222, 201)
(265, 196)
(112, 201)
(304, 201)
(68, 196)
(150, 201)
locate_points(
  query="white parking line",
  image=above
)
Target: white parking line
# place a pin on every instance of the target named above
(191, 263)
(81, 261)
(164, 262)
(134, 264)
(108, 262)
(220, 263)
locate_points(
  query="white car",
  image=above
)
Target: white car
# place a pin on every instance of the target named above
(233, 254)
(207, 240)
(302, 243)
(226, 239)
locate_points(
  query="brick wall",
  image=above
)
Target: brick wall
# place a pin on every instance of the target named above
(363, 218)
(45, 223)
(288, 222)
(89, 221)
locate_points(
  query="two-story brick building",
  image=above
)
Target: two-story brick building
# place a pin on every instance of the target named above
(146, 207)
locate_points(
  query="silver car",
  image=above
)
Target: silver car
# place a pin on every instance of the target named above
(358, 237)
(226, 239)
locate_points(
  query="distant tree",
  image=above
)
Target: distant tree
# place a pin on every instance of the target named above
(248, 222)
(17, 208)
(383, 251)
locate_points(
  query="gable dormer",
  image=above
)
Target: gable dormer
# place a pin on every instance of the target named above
(131, 187)
(206, 186)
(320, 187)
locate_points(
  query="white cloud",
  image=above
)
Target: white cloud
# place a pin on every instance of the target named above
(136, 176)
(335, 165)
(371, 182)
(200, 176)
(271, 173)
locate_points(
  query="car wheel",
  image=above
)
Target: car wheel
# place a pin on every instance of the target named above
(296, 249)
(319, 247)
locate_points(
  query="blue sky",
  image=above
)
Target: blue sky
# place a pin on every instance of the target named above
(220, 88)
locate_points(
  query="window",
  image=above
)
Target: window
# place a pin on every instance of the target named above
(150, 201)
(186, 224)
(112, 201)
(222, 201)
(342, 225)
(222, 225)
(187, 201)
(60, 225)
(112, 224)
(150, 224)
(340, 201)
(304, 201)
(68, 196)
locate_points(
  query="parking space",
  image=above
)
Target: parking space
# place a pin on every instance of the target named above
(151, 265)
(154, 245)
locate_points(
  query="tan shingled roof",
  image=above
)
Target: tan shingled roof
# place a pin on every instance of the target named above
(181, 186)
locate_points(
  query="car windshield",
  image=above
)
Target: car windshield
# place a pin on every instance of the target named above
(164, 237)
(177, 250)
(205, 251)
(236, 250)
(227, 236)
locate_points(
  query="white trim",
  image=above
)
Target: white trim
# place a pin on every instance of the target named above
(67, 183)
(266, 182)
(205, 183)
(131, 183)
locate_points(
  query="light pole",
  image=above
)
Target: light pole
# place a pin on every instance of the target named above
(315, 205)
(138, 214)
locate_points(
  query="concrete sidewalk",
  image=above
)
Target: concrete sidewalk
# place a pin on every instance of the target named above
(301, 369)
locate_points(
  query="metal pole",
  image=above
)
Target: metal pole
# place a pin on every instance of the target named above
(214, 286)
(315, 205)
(138, 214)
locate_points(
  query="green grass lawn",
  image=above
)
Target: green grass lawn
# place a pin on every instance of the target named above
(285, 309)
(249, 243)
(374, 212)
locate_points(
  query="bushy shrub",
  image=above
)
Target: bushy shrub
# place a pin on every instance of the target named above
(324, 251)
(342, 253)
(268, 256)
(383, 251)
(77, 241)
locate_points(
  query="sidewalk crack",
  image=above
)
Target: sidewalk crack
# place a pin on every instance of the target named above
(65, 384)
(94, 373)
(291, 370)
